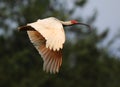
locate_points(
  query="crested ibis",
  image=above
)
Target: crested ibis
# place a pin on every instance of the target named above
(48, 37)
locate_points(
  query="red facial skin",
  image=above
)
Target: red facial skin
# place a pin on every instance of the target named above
(74, 21)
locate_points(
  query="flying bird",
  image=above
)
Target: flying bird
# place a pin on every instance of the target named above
(48, 37)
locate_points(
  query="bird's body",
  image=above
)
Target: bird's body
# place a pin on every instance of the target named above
(52, 30)
(48, 37)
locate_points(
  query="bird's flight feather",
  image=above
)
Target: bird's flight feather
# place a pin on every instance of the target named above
(52, 59)
(48, 37)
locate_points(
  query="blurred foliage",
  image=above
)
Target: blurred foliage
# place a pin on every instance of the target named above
(80, 2)
(84, 65)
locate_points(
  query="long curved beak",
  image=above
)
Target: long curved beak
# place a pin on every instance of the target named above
(85, 25)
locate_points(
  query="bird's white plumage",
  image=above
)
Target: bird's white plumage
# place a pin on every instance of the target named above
(52, 59)
(48, 39)
(52, 30)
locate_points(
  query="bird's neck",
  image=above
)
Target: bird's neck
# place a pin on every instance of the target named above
(66, 23)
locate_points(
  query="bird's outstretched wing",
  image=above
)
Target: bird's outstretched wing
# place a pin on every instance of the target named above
(52, 59)
(52, 31)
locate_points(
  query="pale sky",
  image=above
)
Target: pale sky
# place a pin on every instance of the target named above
(108, 17)
(108, 13)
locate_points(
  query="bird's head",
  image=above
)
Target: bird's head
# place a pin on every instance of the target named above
(74, 21)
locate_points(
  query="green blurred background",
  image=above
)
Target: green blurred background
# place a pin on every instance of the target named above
(84, 63)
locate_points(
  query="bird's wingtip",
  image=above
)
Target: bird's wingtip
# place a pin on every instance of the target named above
(25, 28)
(19, 28)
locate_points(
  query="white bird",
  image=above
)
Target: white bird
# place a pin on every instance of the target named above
(48, 37)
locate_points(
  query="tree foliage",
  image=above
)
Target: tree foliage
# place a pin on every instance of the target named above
(84, 65)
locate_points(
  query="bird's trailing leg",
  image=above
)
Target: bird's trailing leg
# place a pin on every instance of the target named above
(26, 28)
